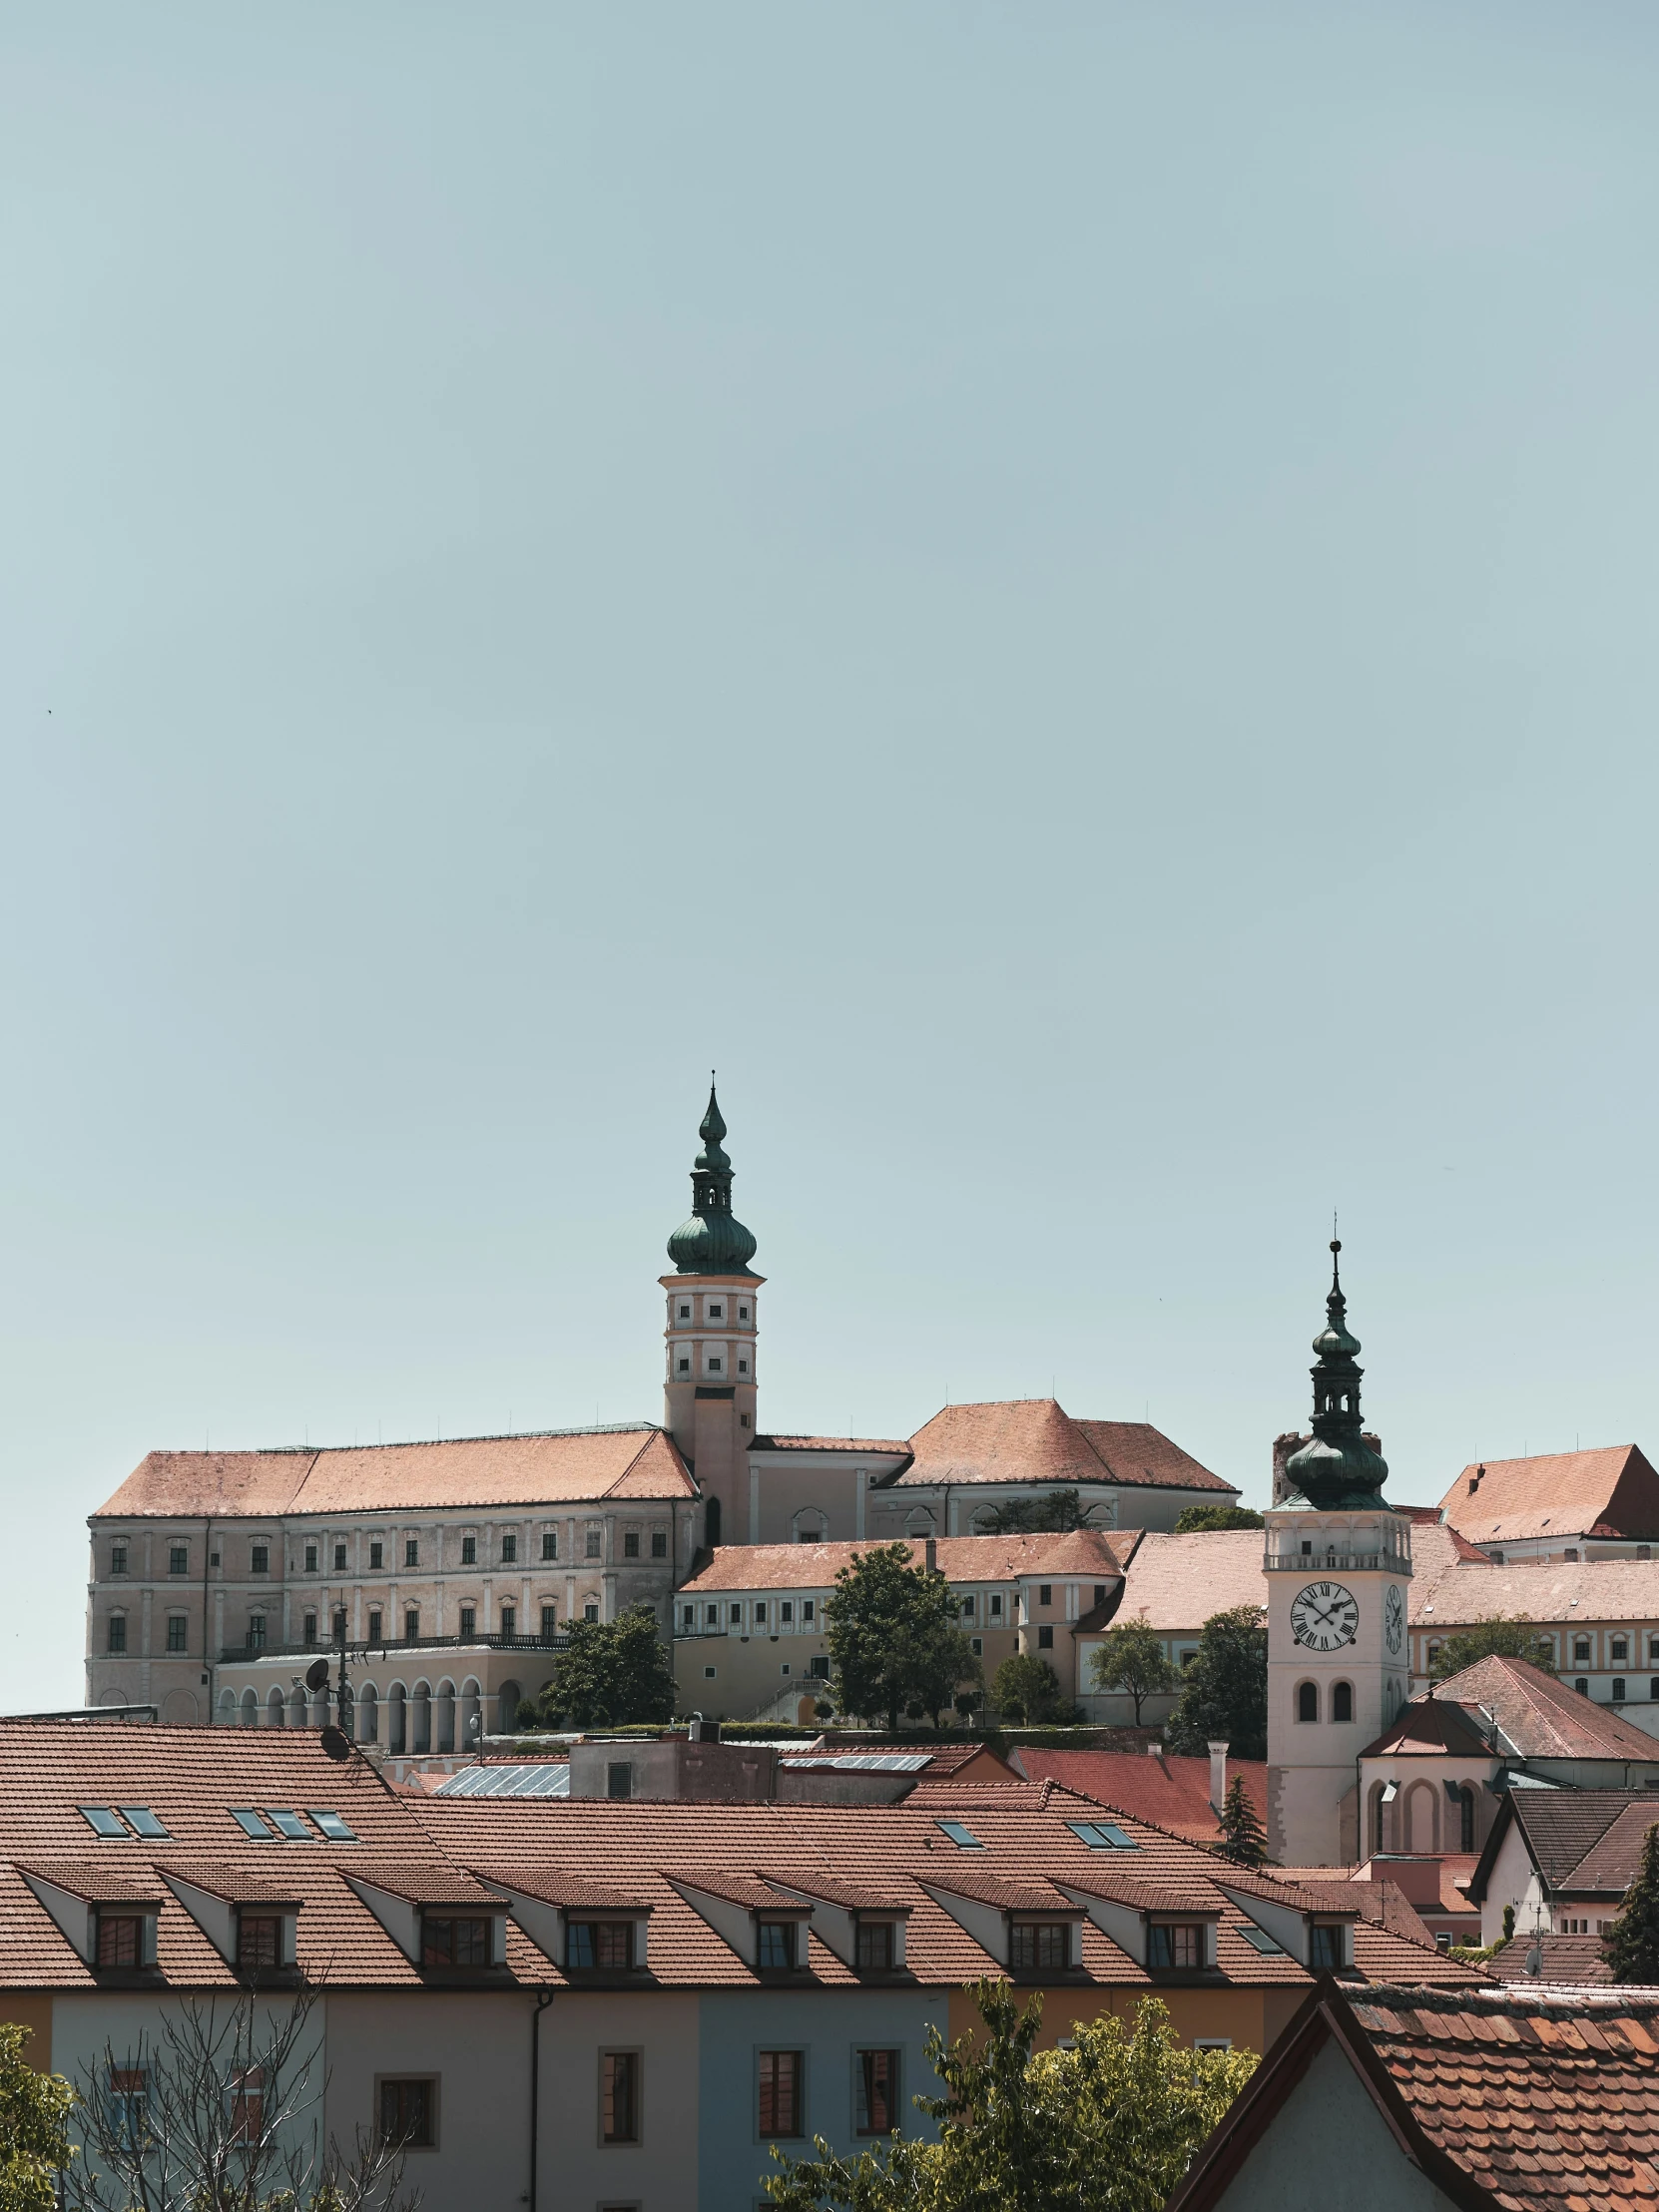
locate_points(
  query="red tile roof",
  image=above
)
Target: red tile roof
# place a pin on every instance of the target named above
(1171, 1791)
(860, 1447)
(1608, 1868)
(1429, 1728)
(1499, 2096)
(554, 1467)
(1033, 1439)
(1176, 1582)
(1611, 1492)
(1542, 1718)
(962, 1560)
(1568, 1962)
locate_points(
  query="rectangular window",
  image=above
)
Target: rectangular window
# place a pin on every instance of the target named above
(1618, 1688)
(619, 1779)
(130, 2101)
(118, 1558)
(874, 1944)
(143, 1821)
(630, 1544)
(735, 1615)
(377, 1555)
(774, 1948)
(101, 1821)
(808, 1611)
(260, 1559)
(717, 1312)
(340, 1624)
(1581, 1649)
(258, 1939)
(411, 1625)
(247, 2095)
(1045, 1639)
(446, 1941)
(1620, 1651)
(408, 2112)
(1324, 1952)
(117, 1632)
(469, 1552)
(469, 1620)
(509, 1550)
(605, 1946)
(339, 1558)
(332, 1827)
(684, 1313)
(1181, 1946)
(120, 1938)
(619, 2096)
(1034, 1947)
(550, 1543)
(742, 1313)
(713, 1366)
(411, 1551)
(780, 2099)
(1100, 1599)
(1045, 1593)
(996, 1605)
(876, 2080)
(969, 1608)
(977, 1644)
(178, 1632)
(249, 1821)
(177, 1560)
(595, 1541)
(1102, 1836)
(685, 1366)
(760, 1612)
(961, 1835)
(509, 1620)
(785, 1611)
(659, 1543)
(821, 1665)
(288, 1822)
(310, 1559)
(308, 1629)
(374, 1626)
(711, 1616)
(549, 1623)
(256, 1631)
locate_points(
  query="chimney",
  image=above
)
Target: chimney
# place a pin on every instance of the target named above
(1475, 1479)
(1218, 1777)
(930, 1555)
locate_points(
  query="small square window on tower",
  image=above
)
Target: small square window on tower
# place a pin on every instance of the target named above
(684, 1313)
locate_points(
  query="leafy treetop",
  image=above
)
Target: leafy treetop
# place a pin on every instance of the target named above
(1026, 1688)
(611, 1673)
(34, 2127)
(1131, 1658)
(895, 1646)
(1494, 1635)
(1197, 1521)
(1223, 1689)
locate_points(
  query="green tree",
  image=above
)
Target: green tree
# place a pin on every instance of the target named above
(894, 1645)
(612, 1672)
(1026, 1688)
(1054, 1513)
(1631, 1945)
(1131, 1659)
(34, 2128)
(1224, 1690)
(1241, 1832)
(1494, 1635)
(1198, 1521)
(1108, 2125)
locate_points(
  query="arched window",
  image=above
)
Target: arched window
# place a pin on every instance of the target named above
(1465, 1800)
(368, 1715)
(1341, 1701)
(506, 1707)
(1306, 1700)
(711, 1522)
(1377, 1815)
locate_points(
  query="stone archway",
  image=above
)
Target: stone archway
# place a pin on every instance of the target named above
(180, 1709)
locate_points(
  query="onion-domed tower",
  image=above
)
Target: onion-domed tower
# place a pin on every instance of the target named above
(1339, 1570)
(709, 1382)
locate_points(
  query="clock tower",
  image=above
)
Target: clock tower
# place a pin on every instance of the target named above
(1339, 1570)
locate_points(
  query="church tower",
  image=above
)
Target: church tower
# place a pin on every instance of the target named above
(709, 1381)
(1338, 1562)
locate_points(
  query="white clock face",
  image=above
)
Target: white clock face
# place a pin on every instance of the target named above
(1325, 1616)
(1393, 1617)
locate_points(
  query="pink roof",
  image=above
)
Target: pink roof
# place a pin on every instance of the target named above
(962, 1560)
(1170, 1791)
(1177, 1583)
(1568, 1593)
(1610, 1491)
(1033, 1439)
(896, 1448)
(552, 1468)
(1542, 1718)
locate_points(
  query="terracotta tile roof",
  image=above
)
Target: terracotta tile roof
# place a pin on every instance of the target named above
(1033, 1439)
(942, 1759)
(1574, 1592)
(1571, 1961)
(1145, 1897)
(1171, 1791)
(1010, 1893)
(1176, 1582)
(236, 1885)
(1539, 2104)
(99, 1882)
(1382, 1897)
(554, 1887)
(856, 1896)
(860, 1447)
(1563, 1826)
(736, 1888)
(1611, 1492)
(893, 1848)
(1435, 1545)
(1273, 1889)
(1429, 1728)
(551, 1468)
(962, 1560)
(189, 1776)
(1542, 1718)
(434, 1884)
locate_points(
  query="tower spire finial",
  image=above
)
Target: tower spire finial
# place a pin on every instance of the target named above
(713, 1242)
(1337, 1467)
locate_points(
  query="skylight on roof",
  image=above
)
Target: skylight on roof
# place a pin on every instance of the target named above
(142, 1821)
(100, 1820)
(961, 1835)
(332, 1825)
(1262, 1940)
(1102, 1836)
(249, 1822)
(288, 1824)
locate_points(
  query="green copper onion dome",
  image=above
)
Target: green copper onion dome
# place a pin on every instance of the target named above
(1335, 1468)
(713, 1241)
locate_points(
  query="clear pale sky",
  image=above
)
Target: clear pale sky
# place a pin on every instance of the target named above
(1066, 594)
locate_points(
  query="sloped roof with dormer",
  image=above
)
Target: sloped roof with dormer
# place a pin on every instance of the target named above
(1611, 1492)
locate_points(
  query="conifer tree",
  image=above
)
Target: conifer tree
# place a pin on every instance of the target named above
(1241, 1838)
(1631, 1947)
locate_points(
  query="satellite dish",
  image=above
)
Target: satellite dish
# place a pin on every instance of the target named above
(316, 1675)
(335, 1744)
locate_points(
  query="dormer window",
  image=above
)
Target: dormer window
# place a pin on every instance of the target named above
(258, 1941)
(715, 1312)
(774, 1947)
(1179, 1944)
(1039, 1947)
(1326, 1949)
(126, 1939)
(874, 1944)
(684, 1313)
(600, 1945)
(450, 1941)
